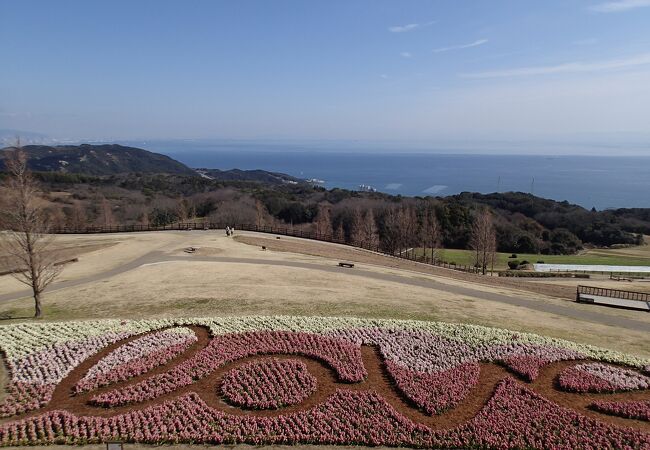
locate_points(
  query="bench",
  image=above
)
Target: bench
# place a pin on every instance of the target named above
(345, 264)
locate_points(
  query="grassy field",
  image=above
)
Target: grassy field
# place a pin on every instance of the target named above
(639, 257)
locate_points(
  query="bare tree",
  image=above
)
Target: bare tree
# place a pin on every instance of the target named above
(391, 233)
(259, 214)
(182, 209)
(78, 219)
(105, 218)
(430, 233)
(339, 234)
(191, 210)
(143, 216)
(27, 242)
(234, 212)
(370, 231)
(399, 229)
(323, 221)
(357, 235)
(408, 224)
(483, 240)
(55, 218)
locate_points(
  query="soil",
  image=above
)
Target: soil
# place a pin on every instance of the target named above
(378, 380)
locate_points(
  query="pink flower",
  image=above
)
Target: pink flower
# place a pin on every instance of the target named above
(632, 410)
(268, 384)
(597, 377)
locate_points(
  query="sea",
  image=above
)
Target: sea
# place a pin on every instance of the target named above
(601, 182)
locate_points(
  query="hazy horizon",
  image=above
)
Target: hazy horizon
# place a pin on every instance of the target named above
(603, 148)
(500, 77)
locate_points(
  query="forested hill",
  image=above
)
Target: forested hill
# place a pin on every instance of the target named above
(261, 176)
(113, 159)
(112, 184)
(106, 159)
(599, 228)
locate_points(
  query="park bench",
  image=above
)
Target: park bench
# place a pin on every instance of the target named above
(346, 264)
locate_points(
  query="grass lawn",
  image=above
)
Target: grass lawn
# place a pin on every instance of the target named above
(600, 256)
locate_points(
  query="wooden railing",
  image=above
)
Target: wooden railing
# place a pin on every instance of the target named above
(613, 293)
(408, 254)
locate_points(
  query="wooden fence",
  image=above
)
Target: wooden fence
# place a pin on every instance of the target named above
(612, 293)
(408, 254)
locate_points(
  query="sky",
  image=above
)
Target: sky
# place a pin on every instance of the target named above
(420, 73)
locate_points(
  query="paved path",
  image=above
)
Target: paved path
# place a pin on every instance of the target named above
(583, 313)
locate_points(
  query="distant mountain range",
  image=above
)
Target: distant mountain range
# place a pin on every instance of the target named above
(8, 137)
(100, 160)
(112, 159)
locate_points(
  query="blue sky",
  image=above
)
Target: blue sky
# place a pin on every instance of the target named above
(561, 71)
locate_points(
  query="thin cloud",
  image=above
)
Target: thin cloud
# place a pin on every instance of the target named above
(619, 5)
(572, 67)
(409, 27)
(406, 55)
(460, 47)
(404, 28)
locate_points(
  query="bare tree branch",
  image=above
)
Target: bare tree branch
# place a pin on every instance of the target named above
(26, 241)
(483, 240)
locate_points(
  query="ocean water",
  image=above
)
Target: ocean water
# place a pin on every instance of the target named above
(590, 181)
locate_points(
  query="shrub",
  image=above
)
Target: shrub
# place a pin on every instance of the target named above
(526, 274)
(513, 264)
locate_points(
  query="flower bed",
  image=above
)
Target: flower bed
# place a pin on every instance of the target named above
(420, 385)
(514, 418)
(268, 384)
(426, 352)
(343, 357)
(632, 410)
(35, 376)
(137, 357)
(596, 377)
(435, 392)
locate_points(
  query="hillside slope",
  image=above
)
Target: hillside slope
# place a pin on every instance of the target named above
(260, 176)
(108, 159)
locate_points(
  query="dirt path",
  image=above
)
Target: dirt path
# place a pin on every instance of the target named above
(378, 380)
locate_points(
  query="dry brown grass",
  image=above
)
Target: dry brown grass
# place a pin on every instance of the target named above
(342, 252)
